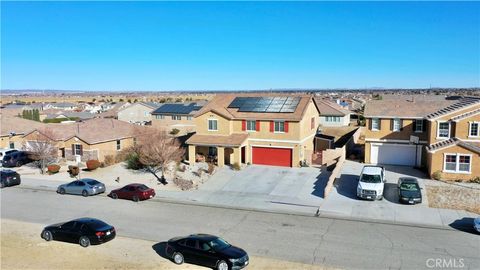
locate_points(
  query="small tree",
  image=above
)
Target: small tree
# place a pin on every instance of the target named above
(42, 148)
(155, 150)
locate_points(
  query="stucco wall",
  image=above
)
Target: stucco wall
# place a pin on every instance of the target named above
(344, 121)
(135, 113)
(436, 160)
(385, 131)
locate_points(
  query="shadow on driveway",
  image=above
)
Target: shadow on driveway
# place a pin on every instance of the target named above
(160, 249)
(390, 193)
(465, 225)
(321, 183)
(346, 185)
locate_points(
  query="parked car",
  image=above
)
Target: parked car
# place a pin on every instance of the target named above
(371, 183)
(9, 178)
(15, 159)
(409, 191)
(5, 151)
(84, 187)
(206, 250)
(135, 192)
(476, 224)
(84, 231)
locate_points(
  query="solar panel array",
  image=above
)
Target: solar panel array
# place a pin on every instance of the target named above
(177, 109)
(265, 104)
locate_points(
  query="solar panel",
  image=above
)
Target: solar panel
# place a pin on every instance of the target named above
(265, 104)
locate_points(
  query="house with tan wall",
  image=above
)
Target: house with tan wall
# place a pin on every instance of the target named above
(332, 114)
(178, 116)
(440, 134)
(274, 130)
(137, 113)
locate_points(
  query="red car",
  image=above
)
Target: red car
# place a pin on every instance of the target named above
(135, 192)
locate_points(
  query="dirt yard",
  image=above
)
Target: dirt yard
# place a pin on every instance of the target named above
(454, 197)
(22, 248)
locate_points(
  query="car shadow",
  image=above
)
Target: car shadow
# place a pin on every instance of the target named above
(465, 225)
(390, 193)
(160, 249)
(321, 183)
(346, 185)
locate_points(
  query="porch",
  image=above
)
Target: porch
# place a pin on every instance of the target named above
(221, 150)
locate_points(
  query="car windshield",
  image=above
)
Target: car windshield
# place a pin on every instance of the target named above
(219, 244)
(367, 178)
(409, 186)
(142, 187)
(93, 182)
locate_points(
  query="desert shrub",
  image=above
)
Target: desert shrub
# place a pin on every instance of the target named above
(133, 162)
(182, 183)
(109, 160)
(93, 164)
(174, 131)
(211, 168)
(236, 166)
(73, 170)
(437, 175)
(53, 168)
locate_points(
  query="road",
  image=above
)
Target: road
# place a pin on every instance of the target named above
(311, 240)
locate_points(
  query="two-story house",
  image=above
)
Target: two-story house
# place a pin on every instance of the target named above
(438, 133)
(332, 114)
(256, 129)
(178, 116)
(138, 113)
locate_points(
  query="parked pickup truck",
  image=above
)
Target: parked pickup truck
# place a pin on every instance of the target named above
(371, 183)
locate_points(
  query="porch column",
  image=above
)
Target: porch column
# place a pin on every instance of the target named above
(237, 156)
(220, 156)
(191, 154)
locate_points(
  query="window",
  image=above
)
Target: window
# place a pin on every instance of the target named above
(118, 145)
(159, 116)
(375, 124)
(443, 130)
(396, 124)
(332, 119)
(212, 151)
(457, 163)
(176, 117)
(11, 145)
(418, 125)
(473, 129)
(312, 123)
(189, 118)
(77, 149)
(145, 113)
(191, 243)
(251, 125)
(279, 126)
(212, 124)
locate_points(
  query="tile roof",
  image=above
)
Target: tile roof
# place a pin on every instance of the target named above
(235, 139)
(17, 125)
(219, 104)
(327, 107)
(459, 104)
(451, 142)
(466, 115)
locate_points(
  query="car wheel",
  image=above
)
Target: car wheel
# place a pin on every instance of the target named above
(84, 241)
(18, 164)
(381, 198)
(84, 193)
(47, 235)
(114, 196)
(2, 185)
(135, 198)
(222, 265)
(61, 191)
(177, 258)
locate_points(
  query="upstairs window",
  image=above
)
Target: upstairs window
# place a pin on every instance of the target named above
(473, 130)
(119, 146)
(396, 124)
(332, 119)
(251, 125)
(176, 117)
(279, 126)
(375, 124)
(443, 130)
(418, 125)
(159, 116)
(189, 118)
(212, 125)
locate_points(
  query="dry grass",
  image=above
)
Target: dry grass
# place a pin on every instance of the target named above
(454, 197)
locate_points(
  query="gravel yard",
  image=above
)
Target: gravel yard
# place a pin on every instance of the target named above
(453, 196)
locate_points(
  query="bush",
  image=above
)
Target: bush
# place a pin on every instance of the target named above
(174, 131)
(475, 180)
(236, 166)
(93, 164)
(211, 168)
(108, 160)
(182, 183)
(53, 168)
(133, 162)
(73, 170)
(437, 175)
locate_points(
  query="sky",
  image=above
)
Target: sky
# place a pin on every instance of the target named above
(148, 46)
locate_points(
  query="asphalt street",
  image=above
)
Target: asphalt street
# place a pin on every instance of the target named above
(312, 240)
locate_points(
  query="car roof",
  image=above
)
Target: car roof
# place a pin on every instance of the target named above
(372, 170)
(87, 220)
(7, 171)
(408, 180)
(202, 236)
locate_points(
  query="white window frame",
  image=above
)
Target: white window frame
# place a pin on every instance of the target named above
(216, 124)
(160, 116)
(279, 130)
(248, 127)
(438, 129)
(396, 121)
(176, 117)
(119, 145)
(457, 163)
(470, 129)
(378, 124)
(189, 118)
(416, 121)
(75, 153)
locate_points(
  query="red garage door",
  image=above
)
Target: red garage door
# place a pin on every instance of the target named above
(272, 156)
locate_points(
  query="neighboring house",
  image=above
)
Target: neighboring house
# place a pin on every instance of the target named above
(179, 116)
(332, 114)
(255, 129)
(91, 139)
(441, 134)
(12, 129)
(61, 106)
(110, 109)
(66, 114)
(91, 107)
(137, 113)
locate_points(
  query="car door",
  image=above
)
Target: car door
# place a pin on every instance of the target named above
(190, 251)
(80, 186)
(62, 233)
(72, 187)
(72, 233)
(121, 192)
(130, 192)
(206, 254)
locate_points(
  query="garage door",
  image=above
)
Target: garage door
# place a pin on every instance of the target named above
(272, 156)
(393, 154)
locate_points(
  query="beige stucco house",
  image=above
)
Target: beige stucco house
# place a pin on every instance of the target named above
(255, 129)
(137, 113)
(438, 133)
(332, 114)
(178, 116)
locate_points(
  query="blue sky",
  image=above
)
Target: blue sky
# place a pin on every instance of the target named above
(238, 45)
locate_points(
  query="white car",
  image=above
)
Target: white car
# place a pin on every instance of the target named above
(371, 183)
(476, 224)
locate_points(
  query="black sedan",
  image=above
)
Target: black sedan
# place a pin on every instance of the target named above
(84, 231)
(206, 250)
(409, 191)
(9, 178)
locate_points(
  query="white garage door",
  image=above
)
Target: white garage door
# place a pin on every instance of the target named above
(394, 154)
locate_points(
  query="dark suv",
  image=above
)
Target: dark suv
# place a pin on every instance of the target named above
(15, 159)
(9, 178)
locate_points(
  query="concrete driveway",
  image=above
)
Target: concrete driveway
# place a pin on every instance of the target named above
(343, 201)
